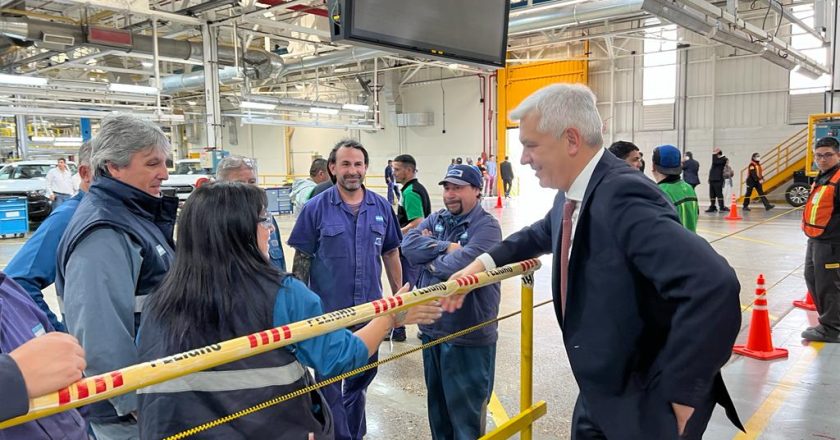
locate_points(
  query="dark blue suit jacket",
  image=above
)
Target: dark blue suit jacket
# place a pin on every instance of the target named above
(652, 309)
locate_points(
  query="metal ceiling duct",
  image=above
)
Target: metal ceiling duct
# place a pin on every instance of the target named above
(577, 14)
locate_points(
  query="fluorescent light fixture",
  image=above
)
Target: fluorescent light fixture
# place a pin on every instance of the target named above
(68, 139)
(543, 7)
(804, 69)
(785, 62)
(146, 63)
(323, 111)
(68, 144)
(43, 139)
(22, 80)
(355, 107)
(257, 105)
(191, 103)
(131, 88)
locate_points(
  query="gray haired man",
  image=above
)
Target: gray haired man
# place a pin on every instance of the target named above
(115, 251)
(243, 170)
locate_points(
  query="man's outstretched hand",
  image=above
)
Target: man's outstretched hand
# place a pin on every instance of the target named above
(454, 302)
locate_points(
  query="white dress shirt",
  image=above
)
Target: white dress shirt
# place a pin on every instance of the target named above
(575, 193)
(60, 182)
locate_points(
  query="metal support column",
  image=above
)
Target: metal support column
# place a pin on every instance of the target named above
(22, 136)
(211, 86)
(87, 133)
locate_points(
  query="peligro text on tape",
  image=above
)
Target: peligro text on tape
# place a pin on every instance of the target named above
(186, 355)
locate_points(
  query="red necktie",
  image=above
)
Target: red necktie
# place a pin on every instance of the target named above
(565, 245)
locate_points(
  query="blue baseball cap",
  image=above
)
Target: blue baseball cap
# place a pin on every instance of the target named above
(667, 159)
(463, 175)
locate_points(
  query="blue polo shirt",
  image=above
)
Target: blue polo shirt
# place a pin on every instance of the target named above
(346, 249)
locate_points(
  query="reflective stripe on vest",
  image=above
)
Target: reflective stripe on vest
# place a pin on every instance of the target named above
(820, 207)
(139, 301)
(230, 380)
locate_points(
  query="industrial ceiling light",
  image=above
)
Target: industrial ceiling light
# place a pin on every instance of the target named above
(677, 15)
(323, 111)
(543, 7)
(68, 139)
(807, 71)
(355, 107)
(723, 36)
(22, 80)
(131, 88)
(778, 60)
(68, 144)
(43, 139)
(257, 105)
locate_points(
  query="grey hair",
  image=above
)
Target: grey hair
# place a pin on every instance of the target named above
(84, 154)
(563, 106)
(120, 136)
(231, 164)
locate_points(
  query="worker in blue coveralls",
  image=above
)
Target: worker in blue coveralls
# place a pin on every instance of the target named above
(33, 266)
(341, 238)
(243, 170)
(459, 373)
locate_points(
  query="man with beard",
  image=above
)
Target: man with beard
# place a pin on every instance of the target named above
(459, 373)
(341, 239)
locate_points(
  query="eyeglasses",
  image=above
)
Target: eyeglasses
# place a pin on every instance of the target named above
(266, 222)
(822, 156)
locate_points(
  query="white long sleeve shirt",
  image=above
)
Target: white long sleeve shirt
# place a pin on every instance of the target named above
(60, 181)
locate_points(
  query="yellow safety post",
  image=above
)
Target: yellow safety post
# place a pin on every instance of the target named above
(526, 363)
(115, 383)
(528, 412)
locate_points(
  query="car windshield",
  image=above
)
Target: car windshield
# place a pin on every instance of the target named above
(29, 171)
(188, 168)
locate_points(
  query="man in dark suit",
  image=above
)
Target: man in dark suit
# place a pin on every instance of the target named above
(649, 311)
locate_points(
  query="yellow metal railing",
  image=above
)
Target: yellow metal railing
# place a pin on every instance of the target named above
(780, 162)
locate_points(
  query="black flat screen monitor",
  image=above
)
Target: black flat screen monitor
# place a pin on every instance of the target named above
(472, 32)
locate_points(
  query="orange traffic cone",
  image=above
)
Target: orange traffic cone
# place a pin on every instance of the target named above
(807, 304)
(733, 210)
(499, 202)
(760, 341)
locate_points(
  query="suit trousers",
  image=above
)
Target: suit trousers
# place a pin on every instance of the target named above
(822, 276)
(507, 184)
(659, 423)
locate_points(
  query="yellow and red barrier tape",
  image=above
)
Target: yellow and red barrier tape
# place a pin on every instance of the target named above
(115, 383)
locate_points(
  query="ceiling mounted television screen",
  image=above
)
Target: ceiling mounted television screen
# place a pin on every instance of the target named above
(472, 32)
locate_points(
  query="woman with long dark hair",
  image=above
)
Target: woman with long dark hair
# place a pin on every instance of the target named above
(223, 286)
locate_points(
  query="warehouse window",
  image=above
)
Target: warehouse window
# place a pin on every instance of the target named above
(810, 46)
(659, 78)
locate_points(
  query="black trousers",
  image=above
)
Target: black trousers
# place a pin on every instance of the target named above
(661, 427)
(716, 192)
(822, 276)
(760, 189)
(507, 183)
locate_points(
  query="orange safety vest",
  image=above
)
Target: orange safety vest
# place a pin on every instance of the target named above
(758, 171)
(820, 207)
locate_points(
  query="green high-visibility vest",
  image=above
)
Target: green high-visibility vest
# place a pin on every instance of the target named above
(684, 198)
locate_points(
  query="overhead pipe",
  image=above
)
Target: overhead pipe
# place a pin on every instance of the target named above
(574, 15)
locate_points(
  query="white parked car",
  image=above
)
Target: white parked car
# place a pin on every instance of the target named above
(187, 176)
(28, 179)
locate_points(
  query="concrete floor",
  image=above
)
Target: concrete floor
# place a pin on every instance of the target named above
(794, 398)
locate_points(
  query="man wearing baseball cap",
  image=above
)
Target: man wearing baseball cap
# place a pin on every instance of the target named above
(459, 373)
(667, 167)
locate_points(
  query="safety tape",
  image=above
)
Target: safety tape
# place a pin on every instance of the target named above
(756, 225)
(107, 385)
(303, 391)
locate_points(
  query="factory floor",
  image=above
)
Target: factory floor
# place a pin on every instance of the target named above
(793, 398)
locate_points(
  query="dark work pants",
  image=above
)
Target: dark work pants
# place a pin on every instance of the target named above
(716, 192)
(347, 402)
(459, 381)
(760, 189)
(822, 276)
(507, 184)
(660, 425)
